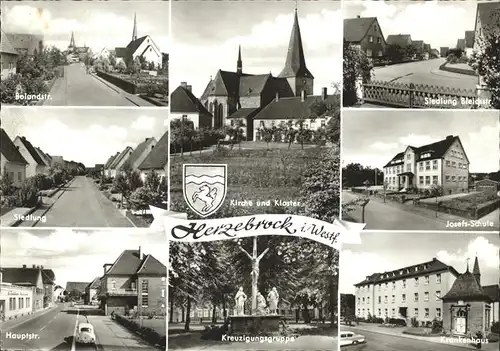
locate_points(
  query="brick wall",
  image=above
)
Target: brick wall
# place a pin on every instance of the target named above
(156, 295)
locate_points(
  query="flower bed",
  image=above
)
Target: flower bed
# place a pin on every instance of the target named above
(472, 206)
(420, 332)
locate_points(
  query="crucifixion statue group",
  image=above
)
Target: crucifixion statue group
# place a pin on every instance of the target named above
(259, 303)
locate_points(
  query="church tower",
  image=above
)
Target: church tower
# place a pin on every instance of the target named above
(476, 271)
(295, 70)
(239, 64)
(134, 31)
(72, 41)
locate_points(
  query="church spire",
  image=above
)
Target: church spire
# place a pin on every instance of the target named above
(476, 271)
(239, 64)
(72, 41)
(134, 32)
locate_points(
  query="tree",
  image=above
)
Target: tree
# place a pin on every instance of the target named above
(290, 136)
(356, 66)
(121, 66)
(127, 181)
(395, 53)
(267, 135)
(112, 60)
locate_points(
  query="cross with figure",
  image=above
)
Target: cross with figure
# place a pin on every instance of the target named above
(255, 259)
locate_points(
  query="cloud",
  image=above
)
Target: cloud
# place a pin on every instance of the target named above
(144, 123)
(379, 145)
(486, 252)
(481, 148)
(416, 140)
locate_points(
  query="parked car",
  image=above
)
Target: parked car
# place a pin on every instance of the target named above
(350, 338)
(85, 334)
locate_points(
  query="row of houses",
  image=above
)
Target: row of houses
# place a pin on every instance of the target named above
(26, 290)
(134, 282)
(149, 155)
(20, 159)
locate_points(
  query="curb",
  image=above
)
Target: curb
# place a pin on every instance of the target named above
(48, 208)
(41, 313)
(19, 221)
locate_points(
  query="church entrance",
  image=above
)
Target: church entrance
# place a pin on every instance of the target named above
(460, 322)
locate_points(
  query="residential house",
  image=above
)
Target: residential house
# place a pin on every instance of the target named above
(57, 162)
(15, 300)
(27, 277)
(45, 157)
(461, 44)
(92, 291)
(28, 44)
(104, 53)
(98, 169)
(120, 160)
(469, 43)
(8, 56)
(402, 40)
(143, 48)
(287, 111)
(365, 32)
(409, 292)
(58, 293)
(48, 280)
(76, 290)
(107, 165)
(187, 106)
(141, 152)
(443, 163)
(135, 281)
(156, 160)
(36, 165)
(419, 47)
(486, 16)
(12, 162)
(443, 50)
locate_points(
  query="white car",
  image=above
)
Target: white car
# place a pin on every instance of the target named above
(350, 338)
(85, 334)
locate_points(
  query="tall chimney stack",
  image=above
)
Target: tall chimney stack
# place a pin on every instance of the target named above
(324, 93)
(184, 85)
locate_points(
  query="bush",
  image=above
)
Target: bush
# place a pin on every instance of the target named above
(437, 326)
(414, 322)
(398, 321)
(451, 58)
(147, 334)
(495, 327)
(42, 181)
(493, 337)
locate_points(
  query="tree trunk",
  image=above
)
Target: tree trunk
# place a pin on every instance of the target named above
(171, 318)
(183, 312)
(191, 148)
(188, 314)
(224, 310)
(214, 317)
(297, 315)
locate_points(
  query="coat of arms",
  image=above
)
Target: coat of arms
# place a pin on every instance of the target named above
(204, 187)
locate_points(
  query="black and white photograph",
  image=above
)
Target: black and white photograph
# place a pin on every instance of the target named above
(420, 291)
(263, 104)
(87, 168)
(83, 290)
(437, 170)
(422, 54)
(265, 292)
(85, 53)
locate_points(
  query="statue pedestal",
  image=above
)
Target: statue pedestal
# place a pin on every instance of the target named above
(255, 325)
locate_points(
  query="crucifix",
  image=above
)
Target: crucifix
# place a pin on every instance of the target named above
(255, 259)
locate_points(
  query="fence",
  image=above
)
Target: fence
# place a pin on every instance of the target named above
(418, 95)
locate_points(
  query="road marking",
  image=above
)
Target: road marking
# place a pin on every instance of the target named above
(49, 322)
(73, 344)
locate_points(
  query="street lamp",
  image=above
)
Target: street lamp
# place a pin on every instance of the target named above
(363, 205)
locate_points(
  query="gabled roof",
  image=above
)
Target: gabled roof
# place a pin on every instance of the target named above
(95, 284)
(139, 150)
(399, 39)
(32, 151)
(24, 41)
(48, 276)
(469, 38)
(182, 100)
(493, 291)
(295, 63)
(487, 13)
(151, 265)
(120, 157)
(126, 264)
(466, 288)
(355, 29)
(293, 107)
(121, 52)
(9, 150)
(434, 266)
(461, 44)
(6, 46)
(80, 286)
(418, 44)
(21, 276)
(98, 167)
(45, 157)
(245, 112)
(134, 44)
(110, 160)
(253, 85)
(157, 158)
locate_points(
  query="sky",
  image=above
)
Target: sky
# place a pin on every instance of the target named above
(206, 35)
(89, 136)
(76, 255)
(97, 24)
(373, 138)
(404, 17)
(387, 251)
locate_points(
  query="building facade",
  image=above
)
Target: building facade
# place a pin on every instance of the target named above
(406, 293)
(31, 278)
(12, 163)
(156, 160)
(120, 160)
(184, 105)
(8, 56)
(365, 32)
(15, 300)
(443, 163)
(36, 165)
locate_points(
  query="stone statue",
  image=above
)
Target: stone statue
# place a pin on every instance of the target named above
(240, 299)
(261, 304)
(273, 299)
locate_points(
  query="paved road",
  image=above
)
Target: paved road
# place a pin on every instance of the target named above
(387, 216)
(77, 88)
(424, 72)
(382, 342)
(83, 205)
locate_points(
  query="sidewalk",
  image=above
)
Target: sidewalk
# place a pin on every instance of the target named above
(112, 336)
(375, 328)
(11, 323)
(136, 100)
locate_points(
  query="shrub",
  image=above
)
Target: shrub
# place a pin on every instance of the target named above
(495, 327)
(493, 337)
(451, 58)
(27, 194)
(398, 321)
(437, 326)
(42, 181)
(414, 322)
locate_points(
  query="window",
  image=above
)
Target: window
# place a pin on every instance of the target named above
(421, 180)
(28, 302)
(369, 53)
(438, 295)
(370, 38)
(426, 296)
(427, 180)
(386, 286)
(379, 312)
(434, 164)
(416, 281)
(393, 300)
(363, 300)
(393, 285)
(434, 179)
(12, 303)
(454, 164)
(368, 300)
(416, 312)
(403, 298)
(448, 163)
(113, 284)
(421, 166)
(19, 176)
(426, 280)
(380, 53)
(438, 278)
(438, 313)
(380, 299)
(162, 292)
(144, 286)
(386, 313)
(416, 297)
(427, 166)
(408, 156)
(144, 301)
(404, 283)
(385, 299)
(453, 178)
(379, 287)
(359, 311)
(448, 178)
(426, 312)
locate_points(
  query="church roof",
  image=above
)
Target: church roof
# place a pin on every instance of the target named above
(476, 270)
(253, 85)
(466, 288)
(295, 64)
(245, 112)
(134, 44)
(292, 107)
(493, 291)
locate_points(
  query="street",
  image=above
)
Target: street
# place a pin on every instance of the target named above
(78, 88)
(384, 342)
(424, 72)
(389, 216)
(83, 205)
(55, 331)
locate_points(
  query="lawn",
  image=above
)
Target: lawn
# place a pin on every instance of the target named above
(470, 201)
(157, 324)
(253, 174)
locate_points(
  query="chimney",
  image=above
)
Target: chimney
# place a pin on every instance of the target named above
(184, 85)
(189, 87)
(24, 266)
(359, 16)
(106, 267)
(140, 253)
(277, 96)
(146, 139)
(34, 266)
(303, 95)
(324, 93)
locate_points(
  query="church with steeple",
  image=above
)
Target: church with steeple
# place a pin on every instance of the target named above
(262, 100)
(78, 52)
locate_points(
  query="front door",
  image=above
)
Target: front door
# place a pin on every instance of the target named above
(460, 325)
(2, 310)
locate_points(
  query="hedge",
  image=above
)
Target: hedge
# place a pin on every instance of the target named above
(147, 334)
